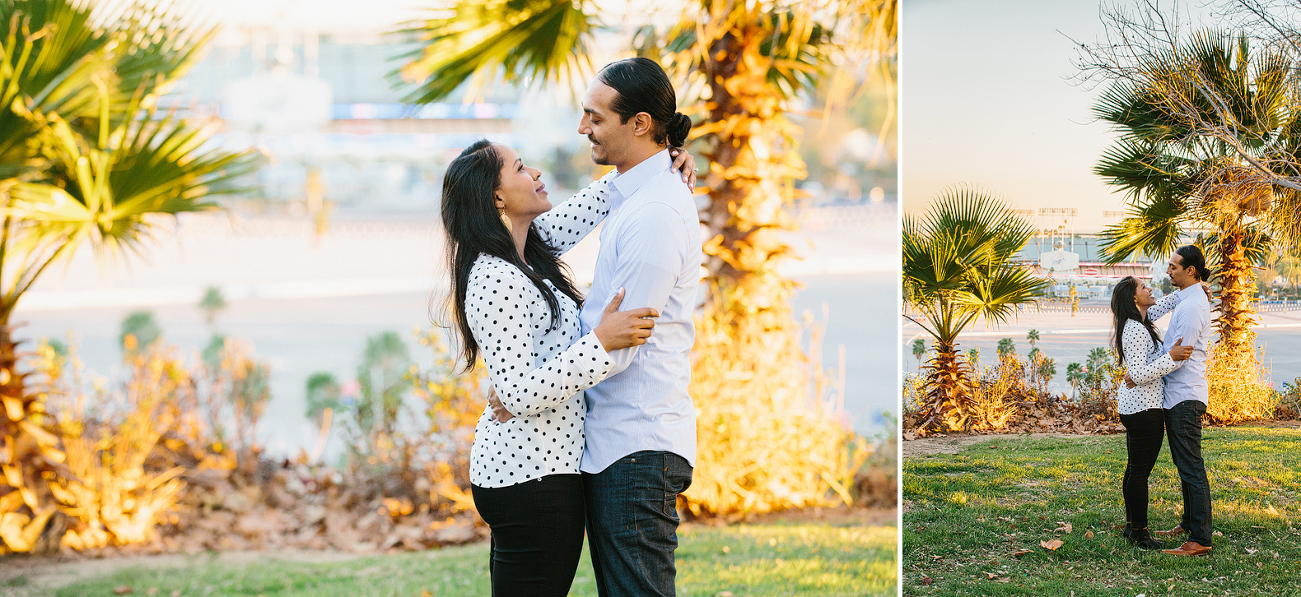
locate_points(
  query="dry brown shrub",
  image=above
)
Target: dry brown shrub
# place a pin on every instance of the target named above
(768, 438)
(115, 499)
(1237, 391)
(993, 399)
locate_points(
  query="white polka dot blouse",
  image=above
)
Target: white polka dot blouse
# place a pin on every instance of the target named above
(1147, 364)
(539, 375)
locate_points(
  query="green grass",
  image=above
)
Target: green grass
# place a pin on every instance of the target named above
(777, 559)
(967, 514)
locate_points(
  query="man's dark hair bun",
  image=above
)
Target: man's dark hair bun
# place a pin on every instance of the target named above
(679, 127)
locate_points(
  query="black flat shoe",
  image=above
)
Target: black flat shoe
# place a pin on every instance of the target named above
(1141, 538)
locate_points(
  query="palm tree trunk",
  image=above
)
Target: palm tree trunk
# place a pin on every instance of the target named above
(754, 161)
(947, 377)
(1237, 282)
(29, 454)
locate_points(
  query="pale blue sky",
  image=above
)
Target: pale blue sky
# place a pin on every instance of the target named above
(986, 98)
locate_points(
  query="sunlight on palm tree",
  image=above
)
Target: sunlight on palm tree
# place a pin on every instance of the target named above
(957, 266)
(87, 157)
(1183, 178)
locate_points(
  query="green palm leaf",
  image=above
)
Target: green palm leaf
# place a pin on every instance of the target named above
(522, 41)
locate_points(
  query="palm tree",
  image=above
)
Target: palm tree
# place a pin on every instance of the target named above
(1006, 347)
(1045, 369)
(86, 158)
(919, 350)
(957, 266)
(1185, 173)
(1075, 374)
(1032, 337)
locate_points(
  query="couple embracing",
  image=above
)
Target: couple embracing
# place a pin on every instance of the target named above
(589, 426)
(1165, 395)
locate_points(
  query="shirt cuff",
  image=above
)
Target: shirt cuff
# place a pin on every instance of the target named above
(591, 351)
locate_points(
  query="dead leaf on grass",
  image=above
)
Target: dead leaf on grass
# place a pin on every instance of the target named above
(1020, 552)
(123, 590)
(1088, 534)
(926, 580)
(991, 575)
(1051, 545)
(1063, 527)
(1252, 550)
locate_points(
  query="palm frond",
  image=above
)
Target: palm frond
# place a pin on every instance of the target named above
(523, 41)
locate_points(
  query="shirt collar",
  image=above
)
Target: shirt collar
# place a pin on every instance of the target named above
(1188, 292)
(632, 180)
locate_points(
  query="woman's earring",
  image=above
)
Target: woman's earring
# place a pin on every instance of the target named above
(505, 219)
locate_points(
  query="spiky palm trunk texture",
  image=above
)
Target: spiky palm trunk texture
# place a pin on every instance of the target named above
(947, 405)
(1237, 281)
(762, 393)
(30, 457)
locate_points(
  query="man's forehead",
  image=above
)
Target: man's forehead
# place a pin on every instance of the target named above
(597, 99)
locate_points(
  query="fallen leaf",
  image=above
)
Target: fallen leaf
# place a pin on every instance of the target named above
(1051, 545)
(1251, 550)
(426, 593)
(1063, 527)
(1088, 535)
(123, 590)
(926, 580)
(991, 575)
(1020, 552)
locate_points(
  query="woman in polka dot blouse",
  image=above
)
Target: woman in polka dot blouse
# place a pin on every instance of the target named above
(516, 306)
(1139, 347)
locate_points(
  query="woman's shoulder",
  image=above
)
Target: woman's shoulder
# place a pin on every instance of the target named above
(490, 270)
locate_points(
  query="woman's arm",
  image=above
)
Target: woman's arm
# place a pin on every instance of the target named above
(496, 306)
(1163, 306)
(1138, 344)
(564, 225)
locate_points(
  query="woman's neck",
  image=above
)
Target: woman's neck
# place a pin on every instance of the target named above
(1142, 313)
(520, 234)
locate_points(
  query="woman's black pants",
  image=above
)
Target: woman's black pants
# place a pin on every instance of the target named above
(1144, 431)
(537, 534)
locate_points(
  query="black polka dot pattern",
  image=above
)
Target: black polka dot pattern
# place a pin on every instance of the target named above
(539, 376)
(1146, 363)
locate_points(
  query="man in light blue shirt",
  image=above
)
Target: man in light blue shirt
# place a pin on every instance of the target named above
(641, 424)
(1186, 398)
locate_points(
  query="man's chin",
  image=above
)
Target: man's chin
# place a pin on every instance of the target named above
(599, 159)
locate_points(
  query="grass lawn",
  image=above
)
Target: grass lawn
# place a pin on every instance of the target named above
(769, 559)
(967, 515)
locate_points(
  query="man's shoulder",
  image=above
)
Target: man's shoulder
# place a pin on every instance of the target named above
(665, 189)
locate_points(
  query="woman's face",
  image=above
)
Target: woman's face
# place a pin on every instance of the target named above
(521, 194)
(1143, 296)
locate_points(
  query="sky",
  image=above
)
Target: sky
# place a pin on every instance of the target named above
(986, 98)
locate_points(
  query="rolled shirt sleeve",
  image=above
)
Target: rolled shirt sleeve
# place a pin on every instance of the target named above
(497, 309)
(1138, 345)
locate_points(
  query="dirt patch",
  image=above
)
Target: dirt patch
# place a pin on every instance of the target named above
(840, 516)
(41, 574)
(952, 444)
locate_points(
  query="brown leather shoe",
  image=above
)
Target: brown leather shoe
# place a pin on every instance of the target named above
(1178, 530)
(1189, 548)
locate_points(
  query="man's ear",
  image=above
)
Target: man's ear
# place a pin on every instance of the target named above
(642, 124)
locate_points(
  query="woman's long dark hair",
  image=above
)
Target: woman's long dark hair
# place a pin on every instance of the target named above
(475, 228)
(1124, 309)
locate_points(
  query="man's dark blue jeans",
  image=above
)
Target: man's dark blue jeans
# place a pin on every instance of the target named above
(632, 523)
(1183, 425)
